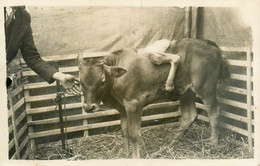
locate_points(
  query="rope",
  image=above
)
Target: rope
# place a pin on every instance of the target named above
(58, 98)
(66, 124)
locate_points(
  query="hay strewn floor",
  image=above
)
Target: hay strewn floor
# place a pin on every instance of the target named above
(194, 145)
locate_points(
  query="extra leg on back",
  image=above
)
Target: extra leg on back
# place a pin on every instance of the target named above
(188, 113)
(173, 59)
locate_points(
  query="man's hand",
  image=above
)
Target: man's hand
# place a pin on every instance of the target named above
(68, 82)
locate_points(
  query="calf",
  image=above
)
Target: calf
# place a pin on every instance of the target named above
(127, 81)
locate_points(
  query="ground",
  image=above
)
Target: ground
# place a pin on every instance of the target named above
(194, 145)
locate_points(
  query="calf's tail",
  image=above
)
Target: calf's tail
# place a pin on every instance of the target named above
(224, 73)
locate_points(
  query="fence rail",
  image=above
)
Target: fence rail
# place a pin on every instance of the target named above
(33, 112)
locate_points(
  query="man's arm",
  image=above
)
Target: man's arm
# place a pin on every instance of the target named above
(33, 59)
(42, 68)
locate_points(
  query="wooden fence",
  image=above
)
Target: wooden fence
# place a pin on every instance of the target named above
(42, 117)
(17, 126)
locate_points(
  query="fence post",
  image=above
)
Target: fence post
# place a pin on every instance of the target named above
(17, 151)
(249, 100)
(30, 128)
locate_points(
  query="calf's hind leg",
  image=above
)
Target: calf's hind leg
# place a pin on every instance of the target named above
(188, 113)
(213, 110)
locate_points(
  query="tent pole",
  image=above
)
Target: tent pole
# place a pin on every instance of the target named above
(187, 31)
(194, 22)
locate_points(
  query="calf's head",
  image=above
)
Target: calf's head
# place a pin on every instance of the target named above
(95, 77)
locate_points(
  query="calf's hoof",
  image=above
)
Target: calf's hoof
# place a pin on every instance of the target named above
(214, 141)
(169, 88)
(174, 141)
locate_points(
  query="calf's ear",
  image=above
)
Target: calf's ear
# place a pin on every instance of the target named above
(80, 59)
(115, 71)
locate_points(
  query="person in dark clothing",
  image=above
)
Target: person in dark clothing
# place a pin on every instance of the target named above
(18, 33)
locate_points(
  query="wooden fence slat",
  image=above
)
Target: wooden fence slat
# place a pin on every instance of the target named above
(11, 144)
(20, 118)
(26, 154)
(238, 77)
(233, 49)
(161, 105)
(10, 128)
(22, 130)
(25, 141)
(43, 97)
(14, 156)
(38, 85)
(234, 103)
(74, 129)
(240, 63)
(69, 141)
(69, 69)
(172, 124)
(9, 113)
(19, 74)
(16, 91)
(39, 110)
(14, 124)
(18, 104)
(161, 116)
(75, 117)
(40, 98)
(28, 72)
(233, 89)
(200, 106)
(233, 116)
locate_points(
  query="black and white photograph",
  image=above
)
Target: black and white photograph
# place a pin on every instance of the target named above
(130, 82)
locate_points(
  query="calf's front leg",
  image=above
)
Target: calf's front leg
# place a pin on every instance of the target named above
(124, 130)
(134, 114)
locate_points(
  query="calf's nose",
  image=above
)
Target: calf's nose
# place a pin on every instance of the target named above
(89, 107)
